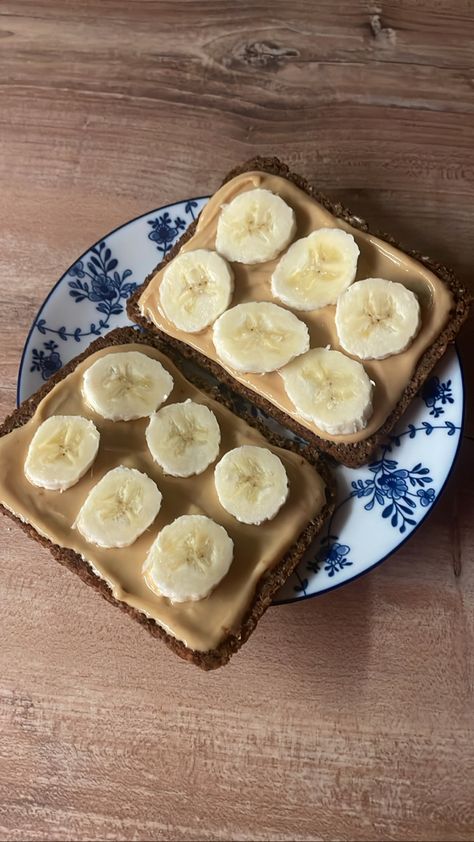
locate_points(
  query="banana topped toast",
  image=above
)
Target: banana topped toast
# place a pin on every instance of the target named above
(291, 300)
(153, 491)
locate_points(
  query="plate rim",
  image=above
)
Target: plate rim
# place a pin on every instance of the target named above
(66, 272)
(332, 587)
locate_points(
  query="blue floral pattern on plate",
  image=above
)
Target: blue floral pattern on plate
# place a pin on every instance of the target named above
(387, 499)
(47, 360)
(164, 231)
(436, 395)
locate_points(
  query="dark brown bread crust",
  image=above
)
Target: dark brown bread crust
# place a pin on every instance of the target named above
(357, 453)
(268, 584)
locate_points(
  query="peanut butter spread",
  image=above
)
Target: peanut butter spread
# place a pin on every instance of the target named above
(252, 283)
(200, 625)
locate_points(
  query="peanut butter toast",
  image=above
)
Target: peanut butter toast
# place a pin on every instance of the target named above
(289, 299)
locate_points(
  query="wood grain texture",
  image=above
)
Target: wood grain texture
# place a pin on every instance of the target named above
(348, 717)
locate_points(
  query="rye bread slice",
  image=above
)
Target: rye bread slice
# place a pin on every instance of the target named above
(351, 454)
(269, 583)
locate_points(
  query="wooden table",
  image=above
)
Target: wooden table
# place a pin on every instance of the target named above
(349, 717)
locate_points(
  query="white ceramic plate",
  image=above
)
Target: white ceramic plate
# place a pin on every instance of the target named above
(387, 499)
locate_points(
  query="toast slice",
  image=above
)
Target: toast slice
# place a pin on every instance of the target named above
(350, 450)
(267, 579)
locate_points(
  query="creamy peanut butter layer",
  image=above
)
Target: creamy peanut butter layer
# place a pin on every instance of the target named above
(253, 283)
(200, 625)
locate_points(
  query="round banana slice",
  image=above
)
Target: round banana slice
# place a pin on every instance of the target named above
(61, 451)
(184, 438)
(316, 269)
(376, 318)
(329, 389)
(119, 508)
(196, 288)
(254, 227)
(126, 385)
(251, 483)
(188, 559)
(259, 336)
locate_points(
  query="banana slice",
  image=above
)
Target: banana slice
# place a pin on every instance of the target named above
(329, 389)
(119, 508)
(259, 336)
(376, 318)
(196, 288)
(61, 452)
(126, 385)
(254, 227)
(316, 269)
(184, 438)
(251, 483)
(188, 559)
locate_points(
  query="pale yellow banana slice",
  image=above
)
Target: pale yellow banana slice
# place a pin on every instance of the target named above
(183, 438)
(119, 508)
(126, 385)
(61, 451)
(255, 227)
(259, 336)
(251, 483)
(329, 389)
(316, 269)
(196, 288)
(188, 559)
(376, 318)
